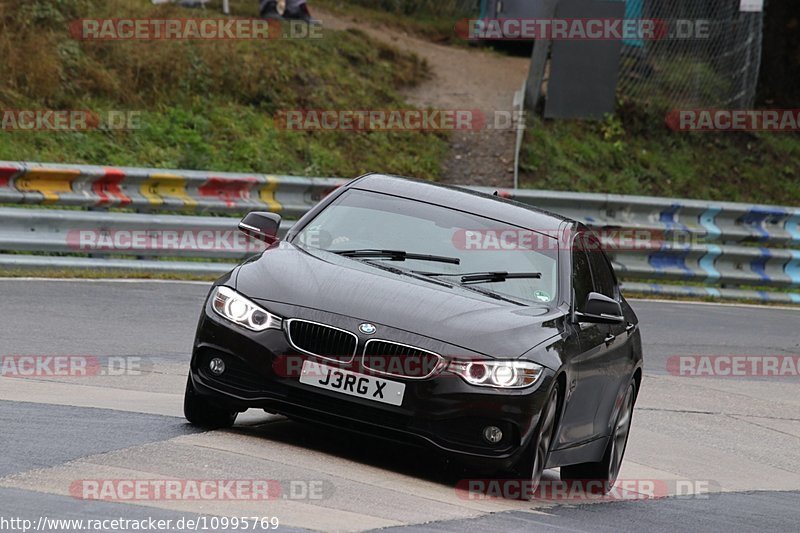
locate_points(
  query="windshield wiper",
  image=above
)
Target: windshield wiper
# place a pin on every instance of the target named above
(430, 277)
(396, 255)
(409, 273)
(485, 277)
(490, 294)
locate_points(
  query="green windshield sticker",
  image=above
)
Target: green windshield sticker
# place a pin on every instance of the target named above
(542, 296)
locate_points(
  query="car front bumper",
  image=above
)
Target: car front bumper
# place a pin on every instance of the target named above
(443, 411)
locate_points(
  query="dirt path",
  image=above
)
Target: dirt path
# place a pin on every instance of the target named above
(471, 79)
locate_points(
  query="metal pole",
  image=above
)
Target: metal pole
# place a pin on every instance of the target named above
(541, 50)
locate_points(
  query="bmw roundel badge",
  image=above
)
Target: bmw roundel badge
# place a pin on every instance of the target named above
(367, 328)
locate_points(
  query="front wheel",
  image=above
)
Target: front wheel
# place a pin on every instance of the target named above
(533, 464)
(605, 473)
(201, 412)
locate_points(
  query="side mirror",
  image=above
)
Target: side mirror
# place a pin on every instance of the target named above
(261, 225)
(600, 309)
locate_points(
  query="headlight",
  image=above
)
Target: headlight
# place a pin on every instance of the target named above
(502, 374)
(233, 306)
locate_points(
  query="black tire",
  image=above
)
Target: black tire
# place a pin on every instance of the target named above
(202, 412)
(532, 465)
(603, 475)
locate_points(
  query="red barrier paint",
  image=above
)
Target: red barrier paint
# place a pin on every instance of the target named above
(108, 188)
(229, 191)
(6, 173)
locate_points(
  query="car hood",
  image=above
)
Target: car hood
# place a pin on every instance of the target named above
(288, 275)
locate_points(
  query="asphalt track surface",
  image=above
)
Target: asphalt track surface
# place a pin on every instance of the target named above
(732, 443)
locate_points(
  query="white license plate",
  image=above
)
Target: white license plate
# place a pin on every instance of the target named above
(352, 384)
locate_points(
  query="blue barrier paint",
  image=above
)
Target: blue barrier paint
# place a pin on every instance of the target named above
(793, 227)
(708, 260)
(668, 259)
(758, 216)
(708, 221)
(792, 268)
(713, 292)
(759, 265)
(667, 217)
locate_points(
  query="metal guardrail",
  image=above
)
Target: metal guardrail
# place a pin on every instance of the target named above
(215, 243)
(103, 236)
(717, 247)
(103, 233)
(714, 243)
(153, 189)
(712, 293)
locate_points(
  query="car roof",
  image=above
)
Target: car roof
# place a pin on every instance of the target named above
(475, 202)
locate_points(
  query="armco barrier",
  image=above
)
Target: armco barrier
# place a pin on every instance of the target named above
(719, 245)
(33, 263)
(655, 289)
(715, 243)
(152, 189)
(143, 237)
(103, 233)
(714, 222)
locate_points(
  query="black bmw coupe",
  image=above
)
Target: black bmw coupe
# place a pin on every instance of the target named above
(491, 330)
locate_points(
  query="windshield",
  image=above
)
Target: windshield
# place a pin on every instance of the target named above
(361, 220)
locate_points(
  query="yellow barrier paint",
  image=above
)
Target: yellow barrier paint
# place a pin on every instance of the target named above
(50, 182)
(160, 186)
(267, 194)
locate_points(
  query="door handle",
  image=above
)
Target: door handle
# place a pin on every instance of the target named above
(629, 328)
(610, 339)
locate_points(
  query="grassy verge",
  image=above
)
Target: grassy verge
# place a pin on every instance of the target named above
(635, 153)
(209, 104)
(430, 20)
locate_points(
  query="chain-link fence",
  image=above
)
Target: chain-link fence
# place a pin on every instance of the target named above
(717, 65)
(710, 56)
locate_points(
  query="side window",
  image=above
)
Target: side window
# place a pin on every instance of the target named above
(604, 281)
(581, 277)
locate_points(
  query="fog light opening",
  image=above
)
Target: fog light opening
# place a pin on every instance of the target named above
(492, 434)
(217, 366)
